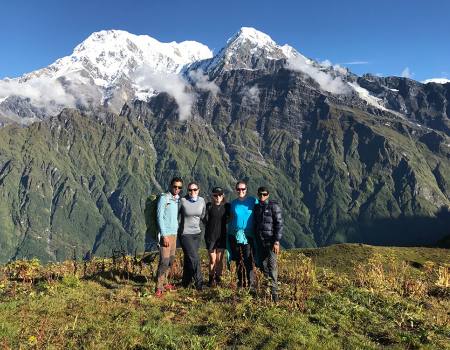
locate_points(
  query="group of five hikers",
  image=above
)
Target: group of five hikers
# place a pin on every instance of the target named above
(249, 229)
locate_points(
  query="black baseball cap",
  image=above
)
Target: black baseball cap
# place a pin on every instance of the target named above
(263, 189)
(217, 190)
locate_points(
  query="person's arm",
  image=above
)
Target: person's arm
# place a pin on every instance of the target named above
(255, 218)
(180, 218)
(203, 211)
(205, 217)
(230, 216)
(277, 227)
(228, 212)
(160, 211)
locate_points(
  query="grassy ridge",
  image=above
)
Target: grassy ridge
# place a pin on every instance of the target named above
(344, 296)
(345, 257)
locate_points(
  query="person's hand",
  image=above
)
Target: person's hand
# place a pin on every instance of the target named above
(276, 248)
(165, 242)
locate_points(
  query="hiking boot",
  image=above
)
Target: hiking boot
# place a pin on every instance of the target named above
(275, 298)
(159, 294)
(170, 287)
(218, 280)
(211, 282)
(185, 284)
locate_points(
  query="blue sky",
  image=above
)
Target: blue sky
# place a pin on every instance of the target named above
(387, 37)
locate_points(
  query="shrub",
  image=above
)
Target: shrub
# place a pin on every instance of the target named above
(390, 276)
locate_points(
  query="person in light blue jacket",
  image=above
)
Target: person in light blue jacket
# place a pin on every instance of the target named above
(167, 217)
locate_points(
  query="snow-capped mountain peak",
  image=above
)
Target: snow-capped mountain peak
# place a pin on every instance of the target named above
(437, 81)
(248, 34)
(111, 67)
(251, 41)
(247, 49)
(109, 54)
(101, 70)
(119, 41)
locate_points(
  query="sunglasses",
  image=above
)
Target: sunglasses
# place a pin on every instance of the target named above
(217, 195)
(241, 189)
(192, 189)
(178, 187)
(263, 194)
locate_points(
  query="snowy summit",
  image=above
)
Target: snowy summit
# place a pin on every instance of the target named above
(112, 67)
(247, 49)
(252, 35)
(437, 81)
(100, 71)
(110, 54)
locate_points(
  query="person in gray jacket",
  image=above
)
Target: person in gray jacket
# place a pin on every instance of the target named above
(192, 211)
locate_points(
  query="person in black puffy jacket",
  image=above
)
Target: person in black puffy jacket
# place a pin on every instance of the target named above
(268, 231)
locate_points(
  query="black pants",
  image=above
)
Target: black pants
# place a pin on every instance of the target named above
(269, 265)
(191, 262)
(244, 262)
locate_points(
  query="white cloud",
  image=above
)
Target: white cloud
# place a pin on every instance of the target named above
(50, 94)
(201, 81)
(326, 63)
(326, 81)
(251, 95)
(42, 91)
(338, 68)
(172, 84)
(406, 73)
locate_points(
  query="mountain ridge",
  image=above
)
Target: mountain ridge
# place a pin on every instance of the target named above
(112, 67)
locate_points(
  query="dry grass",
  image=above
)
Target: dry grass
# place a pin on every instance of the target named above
(108, 303)
(392, 276)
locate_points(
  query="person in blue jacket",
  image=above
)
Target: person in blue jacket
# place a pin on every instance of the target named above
(240, 238)
(167, 217)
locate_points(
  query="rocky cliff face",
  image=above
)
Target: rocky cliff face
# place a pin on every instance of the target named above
(343, 170)
(425, 104)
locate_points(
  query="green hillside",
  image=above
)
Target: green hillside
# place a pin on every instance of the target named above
(344, 296)
(66, 186)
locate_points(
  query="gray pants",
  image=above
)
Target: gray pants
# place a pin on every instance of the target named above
(269, 265)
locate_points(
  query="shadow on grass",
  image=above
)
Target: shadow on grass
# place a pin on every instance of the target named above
(114, 278)
(123, 272)
(403, 231)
